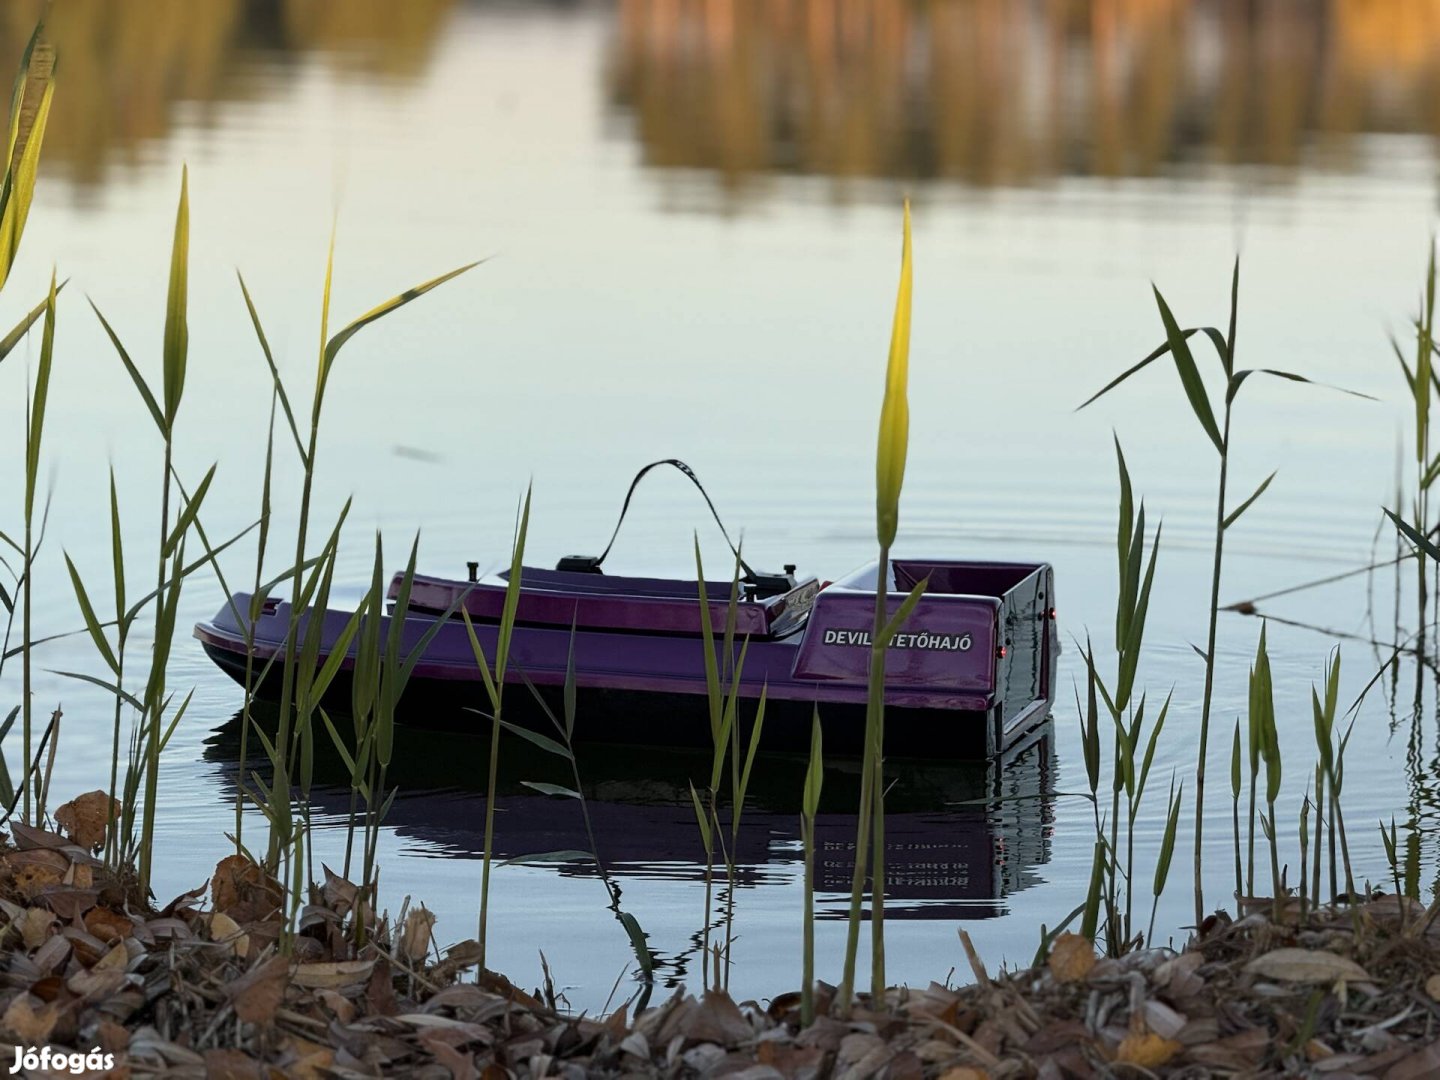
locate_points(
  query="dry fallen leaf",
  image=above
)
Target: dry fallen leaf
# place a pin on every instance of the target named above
(415, 942)
(117, 959)
(964, 1072)
(306, 1060)
(238, 881)
(1306, 966)
(1071, 958)
(231, 1065)
(86, 818)
(31, 1026)
(1421, 1065)
(1147, 1050)
(257, 994)
(226, 931)
(35, 926)
(108, 925)
(333, 975)
(31, 878)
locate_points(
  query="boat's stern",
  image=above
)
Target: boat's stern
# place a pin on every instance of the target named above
(979, 645)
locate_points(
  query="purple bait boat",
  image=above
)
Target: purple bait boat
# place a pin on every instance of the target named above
(969, 674)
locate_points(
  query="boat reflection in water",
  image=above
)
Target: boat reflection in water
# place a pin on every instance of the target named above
(961, 836)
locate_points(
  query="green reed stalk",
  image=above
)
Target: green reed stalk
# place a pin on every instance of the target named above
(1177, 346)
(892, 447)
(565, 748)
(330, 346)
(169, 564)
(740, 782)
(34, 431)
(1337, 818)
(1136, 577)
(117, 566)
(722, 710)
(29, 115)
(257, 605)
(875, 745)
(1090, 744)
(364, 694)
(1235, 787)
(729, 743)
(1388, 839)
(1305, 850)
(495, 690)
(1421, 389)
(809, 808)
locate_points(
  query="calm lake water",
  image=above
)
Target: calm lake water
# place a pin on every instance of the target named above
(691, 212)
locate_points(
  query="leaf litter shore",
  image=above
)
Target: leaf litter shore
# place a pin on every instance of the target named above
(214, 986)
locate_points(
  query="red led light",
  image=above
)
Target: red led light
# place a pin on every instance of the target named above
(1000, 652)
(1051, 613)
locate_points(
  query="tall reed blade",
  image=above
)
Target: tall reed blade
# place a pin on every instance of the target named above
(894, 439)
(495, 689)
(34, 432)
(810, 806)
(892, 447)
(176, 348)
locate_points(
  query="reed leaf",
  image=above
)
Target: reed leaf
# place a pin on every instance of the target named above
(1235, 763)
(902, 614)
(1151, 744)
(480, 659)
(111, 687)
(551, 789)
(1167, 843)
(1123, 538)
(535, 738)
(1090, 727)
(895, 410)
(365, 686)
(332, 347)
(140, 385)
(1189, 373)
(703, 820)
(176, 342)
(92, 623)
(713, 692)
(1149, 359)
(744, 784)
(187, 515)
(1229, 352)
(117, 547)
(1414, 535)
(513, 583)
(29, 115)
(346, 758)
(1234, 515)
(18, 332)
(1130, 655)
(1240, 376)
(277, 382)
(815, 769)
(39, 398)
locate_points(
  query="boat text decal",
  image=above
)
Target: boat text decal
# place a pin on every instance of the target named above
(922, 640)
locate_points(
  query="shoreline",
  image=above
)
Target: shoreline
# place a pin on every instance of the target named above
(221, 983)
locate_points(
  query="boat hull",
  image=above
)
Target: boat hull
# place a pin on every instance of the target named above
(660, 718)
(984, 683)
